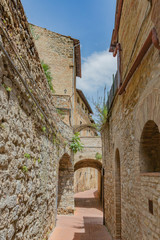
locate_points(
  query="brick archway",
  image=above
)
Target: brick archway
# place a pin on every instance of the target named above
(88, 168)
(88, 163)
(65, 204)
(150, 148)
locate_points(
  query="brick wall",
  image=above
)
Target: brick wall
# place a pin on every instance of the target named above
(124, 130)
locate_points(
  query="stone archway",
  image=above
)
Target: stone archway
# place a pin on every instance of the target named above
(88, 163)
(65, 205)
(82, 127)
(88, 175)
(118, 194)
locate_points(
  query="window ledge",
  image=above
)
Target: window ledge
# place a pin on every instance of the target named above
(150, 174)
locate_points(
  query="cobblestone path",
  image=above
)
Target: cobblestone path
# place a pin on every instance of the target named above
(86, 224)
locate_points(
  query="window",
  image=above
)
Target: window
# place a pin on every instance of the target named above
(150, 148)
(78, 100)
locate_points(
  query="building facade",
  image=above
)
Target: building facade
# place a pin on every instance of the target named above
(131, 136)
(62, 54)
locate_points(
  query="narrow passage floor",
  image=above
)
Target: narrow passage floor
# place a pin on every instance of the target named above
(87, 222)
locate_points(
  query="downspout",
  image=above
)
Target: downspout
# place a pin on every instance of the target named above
(73, 93)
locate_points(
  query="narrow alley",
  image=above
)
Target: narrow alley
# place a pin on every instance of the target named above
(79, 120)
(87, 222)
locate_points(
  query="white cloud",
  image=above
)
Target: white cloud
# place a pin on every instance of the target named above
(97, 71)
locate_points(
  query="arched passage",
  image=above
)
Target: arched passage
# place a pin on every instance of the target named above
(88, 163)
(150, 148)
(118, 194)
(88, 175)
(65, 203)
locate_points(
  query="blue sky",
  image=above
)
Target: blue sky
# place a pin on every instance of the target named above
(90, 21)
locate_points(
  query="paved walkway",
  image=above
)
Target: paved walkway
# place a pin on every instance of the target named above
(86, 224)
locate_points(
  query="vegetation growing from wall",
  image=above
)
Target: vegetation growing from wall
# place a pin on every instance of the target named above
(98, 156)
(76, 144)
(46, 69)
(101, 111)
(35, 36)
(61, 113)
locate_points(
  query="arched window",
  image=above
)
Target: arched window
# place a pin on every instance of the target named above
(150, 148)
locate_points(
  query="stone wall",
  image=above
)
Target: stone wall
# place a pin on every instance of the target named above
(86, 178)
(30, 145)
(87, 167)
(56, 50)
(92, 145)
(132, 197)
(65, 186)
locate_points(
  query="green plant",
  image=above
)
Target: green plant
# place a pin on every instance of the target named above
(76, 144)
(60, 112)
(39, 160)
(2, 126)
(27, 155)
(44, 129)
(35, 36)
(46, 69)
(8, 89)
(101, 111)
(98, 156)
(25, 169)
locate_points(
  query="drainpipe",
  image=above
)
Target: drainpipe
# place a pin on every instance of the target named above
(73, 94)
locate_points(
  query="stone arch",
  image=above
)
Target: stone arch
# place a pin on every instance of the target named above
(65, 204)
(93, 168)
(118, 193)
(79, 128)
(147, 114)
(147, 110)
(88, 163)
(150, 148)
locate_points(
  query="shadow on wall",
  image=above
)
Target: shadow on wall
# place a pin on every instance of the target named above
(65, 185)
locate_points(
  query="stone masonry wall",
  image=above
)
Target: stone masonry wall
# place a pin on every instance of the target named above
(137, 193)
(29, 150)
(65, 186)
(56, 50)
(85, 179)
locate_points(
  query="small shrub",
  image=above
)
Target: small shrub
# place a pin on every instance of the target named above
(25, 169)
(76, 144)
(8, 89)
(44, 129)
(46, 69)
(39, 160)
(35, 36)
(98, 156)
(27, 155)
